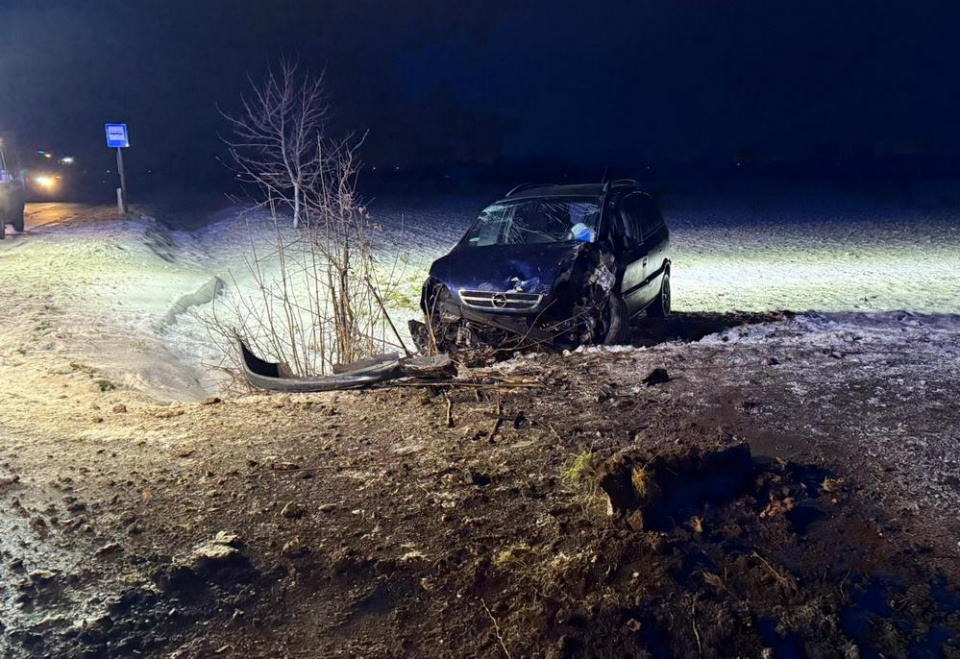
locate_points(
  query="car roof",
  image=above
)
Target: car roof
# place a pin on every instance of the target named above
(530, 191)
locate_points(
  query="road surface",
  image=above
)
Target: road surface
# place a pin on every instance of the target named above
(50, 214)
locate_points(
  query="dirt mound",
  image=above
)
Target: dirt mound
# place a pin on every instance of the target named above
(710, 553)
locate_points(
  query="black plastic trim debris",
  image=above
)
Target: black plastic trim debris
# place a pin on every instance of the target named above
(272, 376)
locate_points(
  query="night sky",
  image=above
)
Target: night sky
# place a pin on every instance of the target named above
(461, 82)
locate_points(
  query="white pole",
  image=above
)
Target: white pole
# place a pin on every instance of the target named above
(122, 190)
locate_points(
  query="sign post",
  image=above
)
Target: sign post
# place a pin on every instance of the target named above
(118, 138)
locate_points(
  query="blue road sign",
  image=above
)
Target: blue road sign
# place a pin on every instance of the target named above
(117, 136)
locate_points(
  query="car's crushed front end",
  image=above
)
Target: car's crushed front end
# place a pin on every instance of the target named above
(515, 297)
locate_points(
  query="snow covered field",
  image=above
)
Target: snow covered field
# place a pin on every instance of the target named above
(779, 255)
(113, 292)
(86, 289)
(815, 259)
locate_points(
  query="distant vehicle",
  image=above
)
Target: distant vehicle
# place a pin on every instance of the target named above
(42, 186)
(12, 193)
(43, 176)
(550, 264)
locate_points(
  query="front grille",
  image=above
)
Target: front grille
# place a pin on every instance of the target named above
(497, 301)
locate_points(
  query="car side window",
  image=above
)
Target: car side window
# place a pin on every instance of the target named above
(650, 218)
(629, 222)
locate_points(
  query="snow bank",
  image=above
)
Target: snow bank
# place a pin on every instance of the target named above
(95, 290)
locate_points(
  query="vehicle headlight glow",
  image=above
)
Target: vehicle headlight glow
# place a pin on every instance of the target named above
(45, 182)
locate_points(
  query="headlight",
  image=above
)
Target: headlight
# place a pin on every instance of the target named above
(45, 182)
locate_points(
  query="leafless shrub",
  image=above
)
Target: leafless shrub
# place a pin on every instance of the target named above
(309, 295)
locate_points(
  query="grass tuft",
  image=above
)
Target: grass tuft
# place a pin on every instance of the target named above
(512, 554)
(105, 385)
(643, 484)
(579, 468)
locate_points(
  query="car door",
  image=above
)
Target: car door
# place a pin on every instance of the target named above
(656, 240)
(6, 186)
(632, 255)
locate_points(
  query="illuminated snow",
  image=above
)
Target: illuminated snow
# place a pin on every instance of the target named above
(112, 284)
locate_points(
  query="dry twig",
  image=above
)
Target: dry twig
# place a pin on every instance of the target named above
(498, 412)
(782, 579)
(496, 629)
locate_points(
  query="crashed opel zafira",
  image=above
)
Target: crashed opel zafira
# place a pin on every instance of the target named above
(550, 265)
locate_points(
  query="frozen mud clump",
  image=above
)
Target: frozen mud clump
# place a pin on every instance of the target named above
(656, 491)
(218, 560)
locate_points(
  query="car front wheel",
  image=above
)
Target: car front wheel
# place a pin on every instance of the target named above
(615, 322)
(17, 220)
(442, 334)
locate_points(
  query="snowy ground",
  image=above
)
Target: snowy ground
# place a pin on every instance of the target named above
(883, 382)
(729, 257)
(118, 300)
(755, 257)
(801, 260)
(82, 287)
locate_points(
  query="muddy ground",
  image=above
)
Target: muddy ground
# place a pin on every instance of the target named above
(474, 521)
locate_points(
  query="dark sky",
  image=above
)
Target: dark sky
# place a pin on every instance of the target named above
(469, 81)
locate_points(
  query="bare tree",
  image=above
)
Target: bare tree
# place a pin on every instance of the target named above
(312, 295)
(277, 135)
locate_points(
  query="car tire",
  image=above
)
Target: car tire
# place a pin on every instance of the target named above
(437, 330)
(617, 320)
(17, 220)
(660, 307)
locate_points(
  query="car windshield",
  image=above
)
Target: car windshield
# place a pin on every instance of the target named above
(530, 221)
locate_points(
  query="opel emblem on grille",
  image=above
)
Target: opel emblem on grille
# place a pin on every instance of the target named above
(499, 300)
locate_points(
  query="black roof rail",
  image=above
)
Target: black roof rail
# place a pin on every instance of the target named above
(619, 182)
(527, 186)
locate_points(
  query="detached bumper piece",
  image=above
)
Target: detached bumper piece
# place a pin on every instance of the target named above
(271, 376)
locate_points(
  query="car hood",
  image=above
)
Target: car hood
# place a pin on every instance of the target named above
(519, 268)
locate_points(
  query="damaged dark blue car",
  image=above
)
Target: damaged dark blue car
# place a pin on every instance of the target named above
(550, 265)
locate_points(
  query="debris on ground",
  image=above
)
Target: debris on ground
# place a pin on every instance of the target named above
(292, 510)
(414, 532)
(381, 368)
(421, 370)
(223, 547)
(656, 376)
